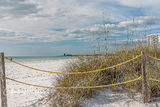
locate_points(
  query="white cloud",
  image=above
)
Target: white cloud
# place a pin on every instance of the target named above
(15, 37)
(39, 17)
(86, 33)
(149, 7)
(99, 29)
(16, 8)
(140, 3)
(138, 22)
(36, 20)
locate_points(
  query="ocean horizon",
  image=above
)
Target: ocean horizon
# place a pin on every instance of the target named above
(39, 58)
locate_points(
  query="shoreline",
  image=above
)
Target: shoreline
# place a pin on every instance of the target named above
(42, 60)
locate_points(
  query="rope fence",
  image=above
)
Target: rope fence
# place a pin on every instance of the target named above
(153, 58)
(71, 73)
(143, 77)
(81, 87)
(151, 79)
(129, 81)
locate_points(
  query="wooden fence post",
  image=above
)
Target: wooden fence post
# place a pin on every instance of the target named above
(145, 92)
(3, 81)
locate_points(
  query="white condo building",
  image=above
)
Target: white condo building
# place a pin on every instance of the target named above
(154, 40)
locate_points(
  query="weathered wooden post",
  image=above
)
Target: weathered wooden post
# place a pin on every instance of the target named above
(3, 81)
(145, 92)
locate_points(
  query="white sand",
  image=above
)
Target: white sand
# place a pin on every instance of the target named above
(20, 95)
(107, 98)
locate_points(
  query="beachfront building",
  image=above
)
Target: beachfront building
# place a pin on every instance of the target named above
(154, 40)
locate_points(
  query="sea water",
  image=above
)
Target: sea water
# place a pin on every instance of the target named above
(39, 58)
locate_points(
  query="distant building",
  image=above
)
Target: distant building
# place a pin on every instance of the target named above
(154, 40)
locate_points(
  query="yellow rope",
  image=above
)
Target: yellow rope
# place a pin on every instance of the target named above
(69, 73)
(154, 79)
(153, 57)
(101, 86)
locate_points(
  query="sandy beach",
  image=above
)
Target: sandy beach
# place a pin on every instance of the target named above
(107, 98)
(20, 95)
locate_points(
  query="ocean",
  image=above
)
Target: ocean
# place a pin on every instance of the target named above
(39, 58)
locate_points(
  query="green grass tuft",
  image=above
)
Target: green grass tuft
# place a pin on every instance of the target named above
(131, 70)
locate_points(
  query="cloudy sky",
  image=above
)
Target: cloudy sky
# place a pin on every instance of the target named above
(54, 27)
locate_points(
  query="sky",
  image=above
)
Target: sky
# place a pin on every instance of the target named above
(55, 27)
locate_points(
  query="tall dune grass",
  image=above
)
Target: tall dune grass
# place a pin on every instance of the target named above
(131, 70)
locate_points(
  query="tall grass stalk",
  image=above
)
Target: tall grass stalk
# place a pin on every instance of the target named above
(131, 70)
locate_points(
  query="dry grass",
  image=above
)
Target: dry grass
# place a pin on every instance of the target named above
(131, 70)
